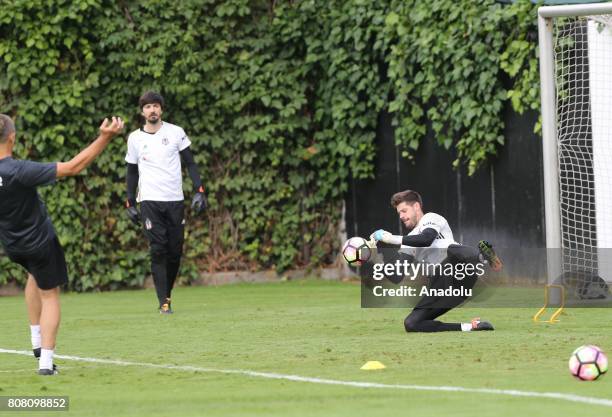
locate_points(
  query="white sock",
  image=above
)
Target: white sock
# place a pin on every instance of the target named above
(46, 359)
(35, 334)
(466, 327)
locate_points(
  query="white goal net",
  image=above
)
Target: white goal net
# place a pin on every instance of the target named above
(578, 186)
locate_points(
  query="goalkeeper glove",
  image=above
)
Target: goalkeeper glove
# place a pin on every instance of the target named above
(386, 237)
(199, 203)
(133, 213)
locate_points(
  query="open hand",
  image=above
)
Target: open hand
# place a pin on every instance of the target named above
(111, 128)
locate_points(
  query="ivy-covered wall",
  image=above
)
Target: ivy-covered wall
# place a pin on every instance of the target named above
(280, 99)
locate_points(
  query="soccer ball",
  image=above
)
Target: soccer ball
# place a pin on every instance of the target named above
(356, 251)
(588, 363)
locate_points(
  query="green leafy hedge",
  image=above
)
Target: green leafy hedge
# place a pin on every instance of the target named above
(280, 99)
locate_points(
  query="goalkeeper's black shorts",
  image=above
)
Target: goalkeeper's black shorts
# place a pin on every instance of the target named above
(164, 226)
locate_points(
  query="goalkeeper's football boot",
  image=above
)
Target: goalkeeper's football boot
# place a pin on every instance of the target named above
(478, 325)
(487, 252)
(166, 308)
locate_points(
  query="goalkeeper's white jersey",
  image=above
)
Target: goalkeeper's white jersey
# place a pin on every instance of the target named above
(159, 162)
(436, 252)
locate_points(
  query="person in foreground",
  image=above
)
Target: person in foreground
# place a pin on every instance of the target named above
(28, 236)
(430, 240)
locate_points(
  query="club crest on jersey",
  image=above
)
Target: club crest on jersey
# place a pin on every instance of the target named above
(148, 224)
(165, 141)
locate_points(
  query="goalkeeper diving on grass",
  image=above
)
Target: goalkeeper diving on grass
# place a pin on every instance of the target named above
(430, 241)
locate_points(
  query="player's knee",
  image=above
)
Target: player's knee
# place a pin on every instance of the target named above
(174, 257)
(175, 251)
(410, 324)
(159, 252)
(454, 253)
(49, 292)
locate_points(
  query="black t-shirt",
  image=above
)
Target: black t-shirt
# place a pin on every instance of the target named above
(24, 223)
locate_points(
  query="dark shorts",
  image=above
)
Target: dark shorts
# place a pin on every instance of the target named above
(47, 264)
(164, 226)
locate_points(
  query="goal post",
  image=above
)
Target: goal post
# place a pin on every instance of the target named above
(575, 46)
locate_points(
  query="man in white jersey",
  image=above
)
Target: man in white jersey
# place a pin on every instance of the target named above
(154, 167)
(430, 240)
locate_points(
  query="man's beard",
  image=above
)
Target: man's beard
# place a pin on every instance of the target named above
(153, 119)
(409, 228)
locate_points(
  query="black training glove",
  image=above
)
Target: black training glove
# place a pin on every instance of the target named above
(199, 203)
(133, 214)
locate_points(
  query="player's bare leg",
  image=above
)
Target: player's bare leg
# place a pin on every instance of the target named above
(49, 317)
(34, 305)
(33, 300)
(49, 325)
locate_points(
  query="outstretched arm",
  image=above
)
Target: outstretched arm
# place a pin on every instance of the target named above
(108, 130)
(421, 240)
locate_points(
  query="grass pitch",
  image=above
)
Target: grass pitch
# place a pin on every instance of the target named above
(307, 328)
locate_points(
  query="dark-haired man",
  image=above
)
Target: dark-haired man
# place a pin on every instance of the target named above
(154, 167)
(430, 240)
(28, 236)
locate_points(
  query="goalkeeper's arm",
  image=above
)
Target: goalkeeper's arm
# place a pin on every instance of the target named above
(199, 201)
(132, 183)
(192, 169)
(421, 240)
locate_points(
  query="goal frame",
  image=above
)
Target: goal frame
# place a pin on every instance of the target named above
(552, 200)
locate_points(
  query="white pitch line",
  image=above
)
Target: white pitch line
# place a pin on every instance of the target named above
(32, 369)
(15, 371)
(507, 392)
